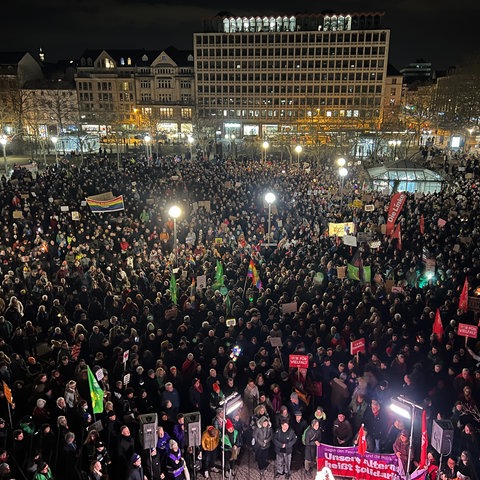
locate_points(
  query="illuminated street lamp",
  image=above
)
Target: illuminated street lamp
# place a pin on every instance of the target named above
(191, 142)
(229, 405)
(341, 162)
(54, 141)
(298, 149)
(175, 211)
(406, 409)
(269, 198)
(343, 172)
(147, 139)
(265, 146)
(3, 141)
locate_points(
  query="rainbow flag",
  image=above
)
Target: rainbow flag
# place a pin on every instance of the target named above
(253, 274)
(114, 204)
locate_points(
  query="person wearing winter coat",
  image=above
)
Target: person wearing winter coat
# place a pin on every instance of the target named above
(311, 439)
(262, 438)
(210, 442)
(284, 441)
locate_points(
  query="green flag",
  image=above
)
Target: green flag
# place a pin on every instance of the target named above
(173, 288)
(353, 273)
(228, 305)
(367, 274)
(219, 281)
(96, 393)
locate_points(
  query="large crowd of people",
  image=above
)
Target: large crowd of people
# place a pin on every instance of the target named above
(173, 328)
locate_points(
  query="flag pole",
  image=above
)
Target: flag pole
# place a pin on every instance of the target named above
(10, 414)
(245, 286)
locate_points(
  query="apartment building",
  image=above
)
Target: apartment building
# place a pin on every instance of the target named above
(137, 91)
(256, 76)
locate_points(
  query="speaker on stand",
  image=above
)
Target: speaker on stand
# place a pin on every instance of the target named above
(148, 430)
(442, 438)
(193, 435)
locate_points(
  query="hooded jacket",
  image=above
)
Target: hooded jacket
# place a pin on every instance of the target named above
(263, 435)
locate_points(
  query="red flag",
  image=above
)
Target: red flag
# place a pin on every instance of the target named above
(423, 451)
(463, 302)
(361, 441)
(398, 235)
(437, 329)
(396, 205)
(422, 224)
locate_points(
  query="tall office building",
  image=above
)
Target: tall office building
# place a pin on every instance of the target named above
(295, 74)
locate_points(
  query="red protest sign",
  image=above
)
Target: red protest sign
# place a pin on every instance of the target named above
(298, 361)
(466, 330)
(357, 346)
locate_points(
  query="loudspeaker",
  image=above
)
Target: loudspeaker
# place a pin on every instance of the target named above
(148, 430)
(193, 429)
(442, 436)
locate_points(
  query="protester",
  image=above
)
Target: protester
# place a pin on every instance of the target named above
(112, 292)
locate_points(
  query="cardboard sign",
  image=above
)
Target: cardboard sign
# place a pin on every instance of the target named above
(397, 290)
(364, 237)
(126, 354)
(289, 307)
(357, 346)
(298, 361)
(466, 330)
(341, 272)
(276, 342)
(64, 208)
(99, 374)
(201, 282)
(350, 240)
(76, 216)
(474, 304)
(441, 222)
(126, 379)
(369, 208)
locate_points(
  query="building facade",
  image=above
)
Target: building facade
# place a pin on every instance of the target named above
(259, 76)
(136, 92)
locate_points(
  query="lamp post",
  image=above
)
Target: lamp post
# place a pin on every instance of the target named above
(343, 172)
(232, 142)
(265, 146)
(54, 141)
(269, 198)
(298, 149)
(341, 162)
(147, 139)
(406, 409)
(3, 141)
(174, 213)
(229, 404)
(190, 142)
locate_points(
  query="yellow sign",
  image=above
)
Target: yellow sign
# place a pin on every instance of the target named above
(357, 203)
(341, 229)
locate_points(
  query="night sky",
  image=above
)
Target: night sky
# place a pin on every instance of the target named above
(440, 31)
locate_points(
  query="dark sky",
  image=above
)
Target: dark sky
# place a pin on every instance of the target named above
(439, 31)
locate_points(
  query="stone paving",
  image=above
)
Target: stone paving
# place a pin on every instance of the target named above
(248, 470)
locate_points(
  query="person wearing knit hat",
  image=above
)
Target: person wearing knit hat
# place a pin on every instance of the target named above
(231, 444)
(136, 469)
(175, 463)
